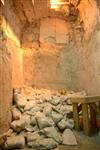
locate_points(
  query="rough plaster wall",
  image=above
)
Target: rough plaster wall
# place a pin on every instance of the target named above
(63, 60)
(10, 69)
(5, 84)
(12, 24)
(89, 16)
(64, 64)
(11, 76)
(16, 63)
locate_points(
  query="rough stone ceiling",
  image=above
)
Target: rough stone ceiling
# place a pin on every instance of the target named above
(28, 11)
(25, 10)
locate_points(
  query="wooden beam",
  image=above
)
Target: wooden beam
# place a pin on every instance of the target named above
(85, 99)
(93, 119)
(76, 116)
(86, 123)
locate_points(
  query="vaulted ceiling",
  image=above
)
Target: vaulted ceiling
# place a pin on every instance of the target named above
(20, 14)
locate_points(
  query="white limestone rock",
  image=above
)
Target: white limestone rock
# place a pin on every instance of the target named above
(15, 142)
(20, 100)
(56, 117)
(70, 123)
(62, 124)
(33, 120)
(44, 144)
(42, 120)
(29, 105)
(51, 132)
(18, 125)
(47, 109)
(56, 100)
(29, 128)
(31, 138)
(9, 132)
(69, 138)
(36, 109)
(16, 114)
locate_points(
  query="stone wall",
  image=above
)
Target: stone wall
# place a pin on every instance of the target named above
(5, 80)
(5, 87)
(11, 22)
(13, 27)
(65, 54)
(16, 63)
(11, 72)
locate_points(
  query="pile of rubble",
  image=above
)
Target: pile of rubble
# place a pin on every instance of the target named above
(41, 119)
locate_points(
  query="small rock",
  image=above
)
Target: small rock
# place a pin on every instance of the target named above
(36, 109)
(63, 109)
(42, 120)
(15, 142)
(26, 118)
(29, 128)
(18, 125)
(29, 105)
(10, 131)
(16, 114)
(51, 132)
(33, 121)
(70, 123)
(47, 96)
(69, 108)
(56, 100)
(69, 102)
(44, 144)
(32, 137)
(23, 133)
(62, 124)
(69, 138)
(56, 117)
(47, 109)
(20, 100)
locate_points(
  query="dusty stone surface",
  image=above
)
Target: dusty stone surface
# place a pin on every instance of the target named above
(62, 124)
(52, 133)
(56, 116)
(70, 123)
(16, 114)
(15, 142)
(44, 144)
(69, 138)
(5, 81)
(42, 121)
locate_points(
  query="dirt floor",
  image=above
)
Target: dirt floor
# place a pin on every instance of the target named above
(84, 142)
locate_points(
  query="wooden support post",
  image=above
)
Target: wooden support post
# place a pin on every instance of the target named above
(93, 119)
(76, 116)
(99, 104)
(86, 124)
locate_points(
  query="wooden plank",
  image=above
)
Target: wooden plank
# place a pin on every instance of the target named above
(76, 116)
(85, 99)
(86, 123)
